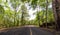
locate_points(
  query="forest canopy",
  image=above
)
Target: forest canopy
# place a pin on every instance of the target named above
(16, 13)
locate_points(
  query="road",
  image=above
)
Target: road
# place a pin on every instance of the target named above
(26, 31)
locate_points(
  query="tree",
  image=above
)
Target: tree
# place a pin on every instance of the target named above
(1, 14)
(56, 10)
(15, 5)
(43, 4)
(24, 14)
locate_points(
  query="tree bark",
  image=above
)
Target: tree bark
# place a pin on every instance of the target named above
(56, 10)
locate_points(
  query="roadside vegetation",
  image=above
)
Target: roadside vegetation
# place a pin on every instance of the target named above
(14, 13)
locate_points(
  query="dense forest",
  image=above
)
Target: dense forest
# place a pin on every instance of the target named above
(15, 13)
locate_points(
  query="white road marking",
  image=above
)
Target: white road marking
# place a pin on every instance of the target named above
(30, 31)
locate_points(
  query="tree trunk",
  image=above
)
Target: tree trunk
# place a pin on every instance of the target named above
(38, 18)
(56, 9)
(46, 11)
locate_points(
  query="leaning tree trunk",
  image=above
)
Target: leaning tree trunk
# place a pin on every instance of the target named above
(56, 10)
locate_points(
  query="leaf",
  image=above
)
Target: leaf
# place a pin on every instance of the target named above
(0, 1)
(1, 9)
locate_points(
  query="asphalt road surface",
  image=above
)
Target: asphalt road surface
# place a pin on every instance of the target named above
(26, 31)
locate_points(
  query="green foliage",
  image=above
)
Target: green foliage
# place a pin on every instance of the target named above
(42, 14)
(34, 3)
(0, 1)
(15, 3)
(15, 13)
(1, 12)
(1, 9)
(24, 15)
(23, 0)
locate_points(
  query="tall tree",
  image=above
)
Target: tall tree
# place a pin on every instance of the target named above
(56, 9)
(15, 5)
(24, 14)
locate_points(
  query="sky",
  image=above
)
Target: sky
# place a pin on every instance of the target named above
(30, 11)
